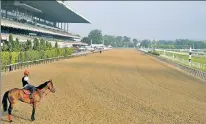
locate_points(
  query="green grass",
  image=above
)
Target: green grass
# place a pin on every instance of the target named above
(201, 60)
(185, 64)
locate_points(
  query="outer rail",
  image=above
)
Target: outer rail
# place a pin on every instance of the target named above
(191, 71)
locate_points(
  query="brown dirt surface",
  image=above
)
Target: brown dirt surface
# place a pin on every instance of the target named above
(121, 86)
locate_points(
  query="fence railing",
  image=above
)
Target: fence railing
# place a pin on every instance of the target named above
(186, 62)
(196, 65)
(186, 69)
(27, 64)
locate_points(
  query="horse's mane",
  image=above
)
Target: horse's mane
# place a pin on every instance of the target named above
(41, 86)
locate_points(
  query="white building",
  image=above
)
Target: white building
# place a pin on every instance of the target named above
(138, 44)
(97, 45)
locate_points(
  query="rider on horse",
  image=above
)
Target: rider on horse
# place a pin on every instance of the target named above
(26, 85)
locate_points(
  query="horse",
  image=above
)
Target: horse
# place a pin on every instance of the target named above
(22, 95)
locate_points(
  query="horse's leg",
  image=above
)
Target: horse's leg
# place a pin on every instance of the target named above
(33, 112)
(9, 111)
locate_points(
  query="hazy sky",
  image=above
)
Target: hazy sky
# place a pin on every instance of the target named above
(143, 19)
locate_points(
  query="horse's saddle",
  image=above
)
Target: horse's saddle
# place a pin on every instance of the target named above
(28, 92)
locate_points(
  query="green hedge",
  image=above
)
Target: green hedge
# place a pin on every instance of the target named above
(5, 58)
(15, 57)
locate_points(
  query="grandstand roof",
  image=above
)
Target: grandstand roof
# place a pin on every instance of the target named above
(56, 11)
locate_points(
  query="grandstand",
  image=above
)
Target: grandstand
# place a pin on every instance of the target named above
(49, 20)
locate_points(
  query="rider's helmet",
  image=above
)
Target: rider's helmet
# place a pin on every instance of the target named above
(26, 72)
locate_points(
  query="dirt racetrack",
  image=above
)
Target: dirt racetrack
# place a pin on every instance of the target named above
(120, 86)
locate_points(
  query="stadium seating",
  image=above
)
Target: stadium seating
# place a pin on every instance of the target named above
(23, 38)
(36, 28)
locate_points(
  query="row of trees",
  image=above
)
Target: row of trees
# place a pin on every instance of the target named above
(15, 46)
(16, 57)
(115, 41)
(125, 41)
(177, 44)
(13, 51)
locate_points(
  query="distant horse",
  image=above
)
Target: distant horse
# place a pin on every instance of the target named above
(22, 95)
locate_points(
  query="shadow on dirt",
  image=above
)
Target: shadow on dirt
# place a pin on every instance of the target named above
(2, 120)
(5, 115)
(23, 118)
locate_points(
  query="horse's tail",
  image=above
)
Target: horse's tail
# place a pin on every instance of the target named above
(4, 101)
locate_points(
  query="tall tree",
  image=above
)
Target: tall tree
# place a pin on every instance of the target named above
(135, 41)
(119, 41)
(47, 45)
(85, 40)
(17, 45)
(36, 45)
(50, 45)
(42, 44)
(4, 47)
(56, 44)
(10, 43)
(28, 45)
(95, 36)
(145, 43)
(108, 39)
(22, 46)
(131, 45)
(126, 41)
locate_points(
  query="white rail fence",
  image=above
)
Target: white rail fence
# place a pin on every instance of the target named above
(186, 62)
(186, 69)
(197, 65)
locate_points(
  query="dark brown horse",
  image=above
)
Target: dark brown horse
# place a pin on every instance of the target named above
(22, 95)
